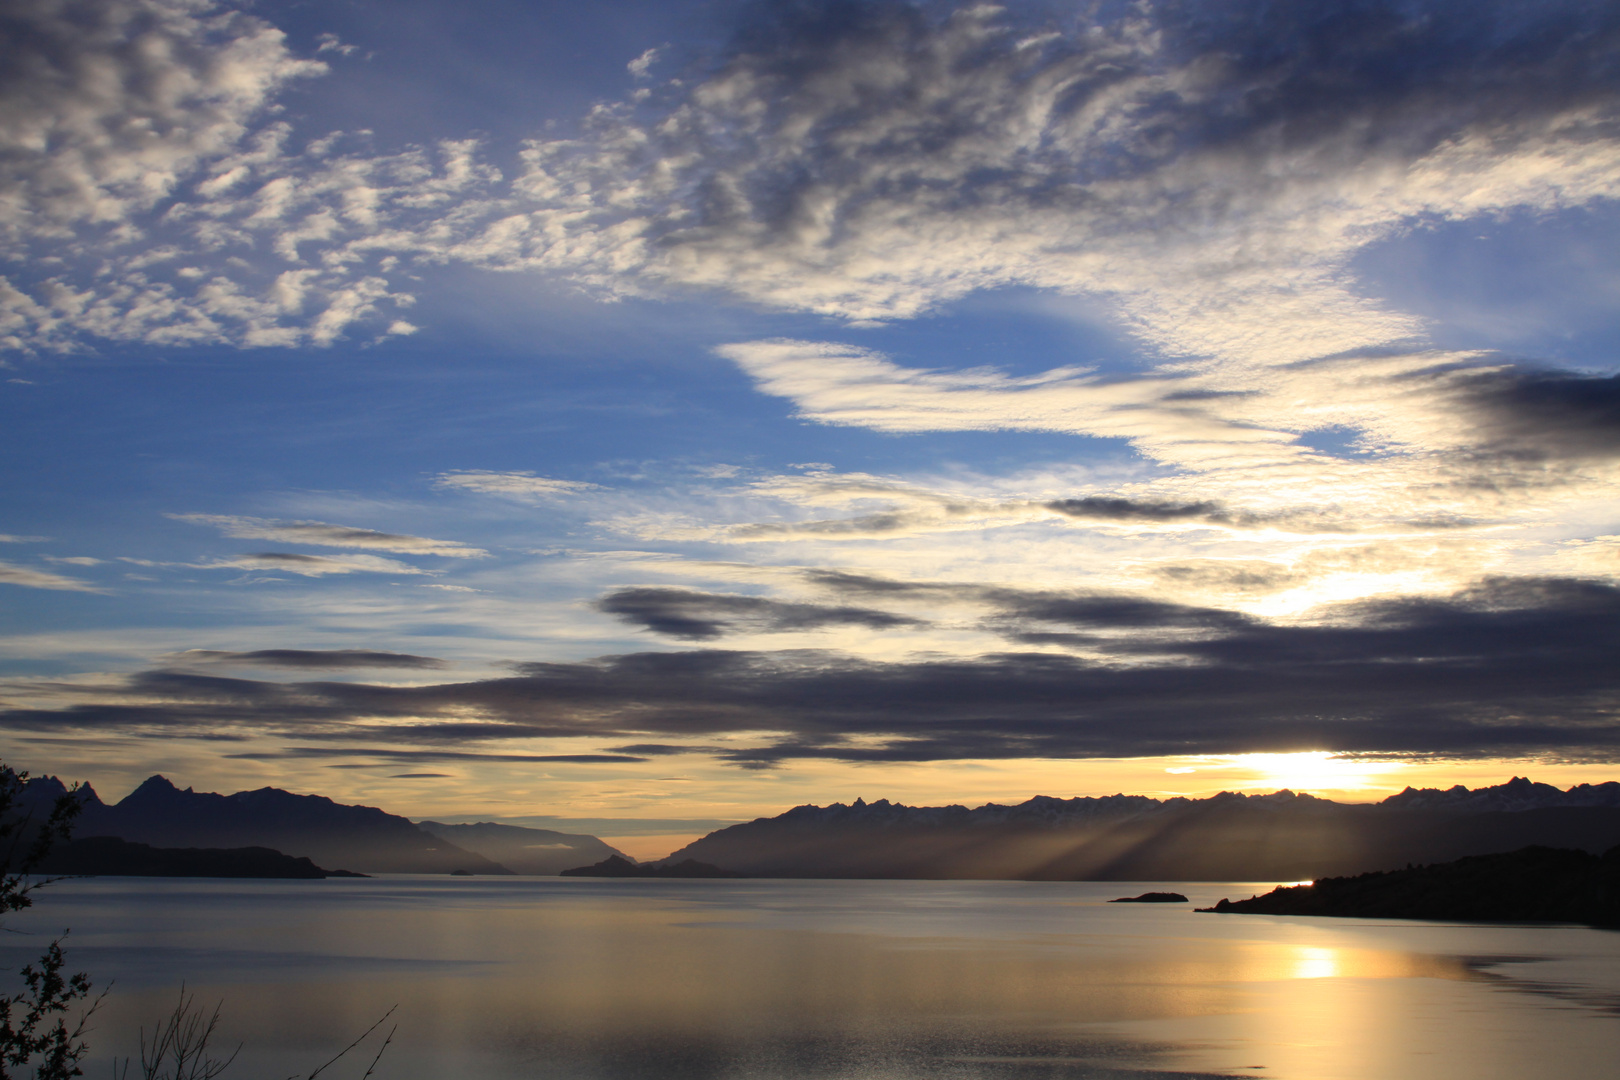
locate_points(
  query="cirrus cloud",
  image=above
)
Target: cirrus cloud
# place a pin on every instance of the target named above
(323, 534)
(310, 565)
(523, 486)
(29, 578)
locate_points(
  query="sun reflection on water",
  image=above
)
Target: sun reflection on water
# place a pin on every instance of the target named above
(1316, 963)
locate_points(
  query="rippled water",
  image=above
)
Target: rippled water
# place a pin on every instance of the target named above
(623, 980)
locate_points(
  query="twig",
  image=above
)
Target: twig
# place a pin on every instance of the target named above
(373, 1066)
(351, 1046)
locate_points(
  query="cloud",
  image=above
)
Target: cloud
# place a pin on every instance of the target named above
(306, 752)
(9, 538)
(642, 65)
(146, 177)
(107, 104)
(1100, 508)
(1236, 418)
(884, 507)
(306, 659)
(310, 565)
(1311, 503)
(701, 616)
(1597, 557)
(874, 161)
(1114, 621)
(12, 574)
(322, 534)
(1508, 666)
(512, 485)
(1019, 614)
(1545, 414)
(1113, 612)
(855, 387)
(1209, 177)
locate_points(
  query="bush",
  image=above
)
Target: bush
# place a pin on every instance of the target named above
(33, 1024)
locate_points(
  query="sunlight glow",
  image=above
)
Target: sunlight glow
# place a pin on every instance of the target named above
(1315, 964)
(1342, 588)
(1313, 770)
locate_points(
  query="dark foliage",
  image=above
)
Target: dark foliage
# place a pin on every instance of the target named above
(34, 1023)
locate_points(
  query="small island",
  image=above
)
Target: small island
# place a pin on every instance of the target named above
(615, 866)
(1533, 884)
(1153, 898)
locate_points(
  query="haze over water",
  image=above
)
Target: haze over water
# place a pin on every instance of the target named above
(786, 979)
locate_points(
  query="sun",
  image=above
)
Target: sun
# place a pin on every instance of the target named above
(1313, 770)
(1316, 772)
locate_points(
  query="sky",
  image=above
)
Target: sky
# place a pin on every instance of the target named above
(648, 416)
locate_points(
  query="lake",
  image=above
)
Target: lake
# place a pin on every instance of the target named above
(623, 980)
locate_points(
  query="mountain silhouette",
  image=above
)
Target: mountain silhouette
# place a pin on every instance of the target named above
(1227, 837)
(359, 838)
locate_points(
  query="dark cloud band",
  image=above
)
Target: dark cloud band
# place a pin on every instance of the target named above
(700, 616)
(1510, 666)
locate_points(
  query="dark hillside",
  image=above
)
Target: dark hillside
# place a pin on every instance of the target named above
(360, 838)
(1533, 884)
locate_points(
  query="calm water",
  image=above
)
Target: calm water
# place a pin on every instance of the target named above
(571, 978)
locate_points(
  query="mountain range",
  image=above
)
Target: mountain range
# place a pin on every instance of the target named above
(1226, 837)
(361, 839)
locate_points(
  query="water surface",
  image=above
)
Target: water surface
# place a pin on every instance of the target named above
(690, 980)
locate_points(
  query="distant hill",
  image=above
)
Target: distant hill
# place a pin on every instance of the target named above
(359, 838)
(521, 850)
(1538, 884)
(1227, 837)
(110, 856)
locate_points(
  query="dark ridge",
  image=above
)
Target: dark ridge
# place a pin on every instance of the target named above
(109, 856)
(1533, 884)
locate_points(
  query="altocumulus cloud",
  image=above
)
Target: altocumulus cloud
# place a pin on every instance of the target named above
(1210, 168)
(1509, 666)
